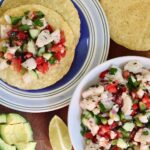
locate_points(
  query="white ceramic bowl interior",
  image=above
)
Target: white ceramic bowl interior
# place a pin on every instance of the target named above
(91, 78)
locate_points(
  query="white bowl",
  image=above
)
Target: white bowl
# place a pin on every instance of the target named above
(91, 78)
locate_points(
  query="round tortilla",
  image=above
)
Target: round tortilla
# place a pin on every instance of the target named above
(129, 22)
(64, 7)
(55, 72)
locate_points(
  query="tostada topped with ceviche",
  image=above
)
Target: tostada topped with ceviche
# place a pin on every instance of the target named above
(36, 47)
(116, 110)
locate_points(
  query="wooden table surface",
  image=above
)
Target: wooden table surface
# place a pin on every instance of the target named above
(40, 121)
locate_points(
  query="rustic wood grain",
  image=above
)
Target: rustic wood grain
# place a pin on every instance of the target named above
(40, 121)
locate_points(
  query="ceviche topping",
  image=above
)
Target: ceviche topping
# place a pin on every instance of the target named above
(29, 43)
(116, 110)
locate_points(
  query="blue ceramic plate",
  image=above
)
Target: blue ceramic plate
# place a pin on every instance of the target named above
(92, 50)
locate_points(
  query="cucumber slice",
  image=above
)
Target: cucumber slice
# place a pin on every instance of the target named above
(138, 123)
(2, 118)
(15, 119)
(128, 126)
(88, 114)
(47, 56)
(125, 134)
(122, 144)
(26, 146)
(17, 133)
(34, 33)
(104, 120)
(41, 51)
(33, 74)
(4, 146)
(142, 106)
(97, 119)
(31, 47)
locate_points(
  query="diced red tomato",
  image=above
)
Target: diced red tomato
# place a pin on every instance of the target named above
(126, 74)
(18, 43)
(114, 125)
(111, 88)
(134, 112)
(132, 134)
(22, 35)
(119, 135)
(135, 106)
(107, 135)
(124, 89)
(145, 99)
(9, 56)
(63, 54)
(118, 100)
(62, 37)
(57, 56)
(40, 60)
(28, 55)
(57, 48)
(49, 28)
(16, 63)
(103, 74)
(43, 68)
(116, 148)
(103, 129)
(88, 135)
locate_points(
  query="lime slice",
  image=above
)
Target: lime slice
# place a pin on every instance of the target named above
(59, 135)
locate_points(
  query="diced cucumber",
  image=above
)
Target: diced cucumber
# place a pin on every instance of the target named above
(138, 123)
(88, 114)
(34, 33)
(97, 119)
(129, 126)
(102, 107)
(17, 133)
(5, 146)
(2, 118)
(41, 51)
(142, 106)
(33, 74)
(124, 133)
(84, 121)
(15, 119)
(26, 146)
(122, 144)
(104, 120)
(114, 142)
(121, 115)
(47, 56)
(31, 47)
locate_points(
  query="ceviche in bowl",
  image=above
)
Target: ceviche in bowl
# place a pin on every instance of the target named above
(110, 109)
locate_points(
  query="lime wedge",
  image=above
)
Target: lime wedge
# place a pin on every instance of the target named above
(59, 135)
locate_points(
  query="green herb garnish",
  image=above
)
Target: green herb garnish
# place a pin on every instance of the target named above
(40, 14)
(113, 71)
(97, 119)
(24, 27)
(84, 129)
(132, 83)
(15, 20)
(145, 133)
(52, 60)
(38, 22)
(4, 49)
(102, 107)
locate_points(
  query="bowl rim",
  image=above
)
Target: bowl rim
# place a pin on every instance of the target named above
(81, 84)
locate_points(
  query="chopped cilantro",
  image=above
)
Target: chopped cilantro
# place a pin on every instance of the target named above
(84, 129)
(24, 27)
(40, 14)
(38, 22)
(15, 20)
(113, 71)
(102, 107)
(145, 133)
(4, 49)
(97, 119)
(132, 83)
(52, 60)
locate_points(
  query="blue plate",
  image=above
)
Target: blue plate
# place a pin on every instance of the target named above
(92, 49)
